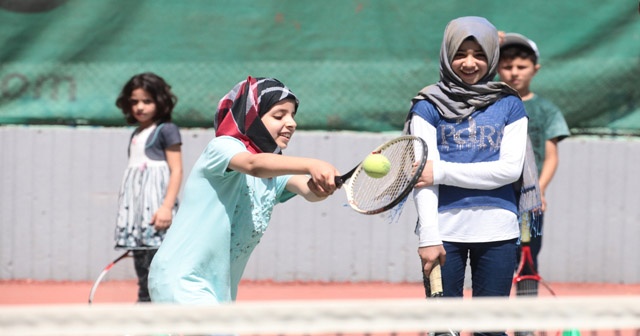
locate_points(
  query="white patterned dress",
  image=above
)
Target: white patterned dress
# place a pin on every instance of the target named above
(144, 187)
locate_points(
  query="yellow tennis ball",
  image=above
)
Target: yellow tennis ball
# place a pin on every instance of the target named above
(376, 165)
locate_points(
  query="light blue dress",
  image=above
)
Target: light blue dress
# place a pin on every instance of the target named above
(221, 220)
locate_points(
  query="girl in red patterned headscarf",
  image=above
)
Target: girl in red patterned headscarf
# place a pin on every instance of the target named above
(229, 196)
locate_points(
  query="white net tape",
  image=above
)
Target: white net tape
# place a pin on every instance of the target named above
(325, 317)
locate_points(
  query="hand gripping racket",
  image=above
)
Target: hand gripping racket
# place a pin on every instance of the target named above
(368, 195)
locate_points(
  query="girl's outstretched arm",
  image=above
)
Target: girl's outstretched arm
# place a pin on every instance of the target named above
(164, 215)
(265, 165)
(305, 187)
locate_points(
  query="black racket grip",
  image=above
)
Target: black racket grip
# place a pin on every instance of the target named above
(340, 180)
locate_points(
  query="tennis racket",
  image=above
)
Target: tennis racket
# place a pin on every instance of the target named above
(433, 284)
(527, 281)
(433, 289)
(368, 195)
(103, 273)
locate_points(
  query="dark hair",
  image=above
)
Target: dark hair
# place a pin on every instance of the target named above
(518, 51)
(155, 86)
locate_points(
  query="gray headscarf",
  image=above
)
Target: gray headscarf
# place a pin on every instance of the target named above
(454, 98)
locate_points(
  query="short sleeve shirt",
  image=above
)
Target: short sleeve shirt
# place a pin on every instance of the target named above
(222, 217)
(546, 122)
(166, 135)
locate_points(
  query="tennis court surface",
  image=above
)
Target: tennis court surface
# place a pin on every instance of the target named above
(329, 309)
(48, 292)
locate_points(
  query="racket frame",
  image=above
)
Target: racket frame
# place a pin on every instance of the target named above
(347, 180)
(526, 262)
(104, 272)
(526, 269)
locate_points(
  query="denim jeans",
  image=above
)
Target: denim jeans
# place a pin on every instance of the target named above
(492, 266)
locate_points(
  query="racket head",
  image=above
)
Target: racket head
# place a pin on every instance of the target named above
(367, 195)
(104, 272)
(526, 285)
(527, 281)
(532, 285)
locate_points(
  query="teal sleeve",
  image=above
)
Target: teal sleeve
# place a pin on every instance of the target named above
(216, 156)
(557, 126)
(284, 194)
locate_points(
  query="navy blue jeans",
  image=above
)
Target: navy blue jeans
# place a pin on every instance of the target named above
(492, 267)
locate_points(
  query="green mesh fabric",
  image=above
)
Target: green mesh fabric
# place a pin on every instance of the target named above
(354, 64)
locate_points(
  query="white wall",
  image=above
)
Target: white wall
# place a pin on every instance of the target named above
(58, 199)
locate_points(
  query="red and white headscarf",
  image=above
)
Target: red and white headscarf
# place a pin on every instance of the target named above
(239, 112)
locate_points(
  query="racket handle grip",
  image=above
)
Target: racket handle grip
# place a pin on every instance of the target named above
(525, 228)
(340, 180)
(435, 281)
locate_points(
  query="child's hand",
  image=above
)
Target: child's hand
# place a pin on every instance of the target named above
(317, 190)
(429, 255)
(324, 175)
(161, 220)
(426, 179)
(501, 36)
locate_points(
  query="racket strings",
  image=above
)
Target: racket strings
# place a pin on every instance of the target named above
(527, 287)
(371, 194)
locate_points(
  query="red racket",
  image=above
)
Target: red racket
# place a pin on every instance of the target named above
(527, 280)
(103, 273)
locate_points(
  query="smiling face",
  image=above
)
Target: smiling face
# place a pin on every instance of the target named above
(280, 123)
(470, 62)
(143, 107)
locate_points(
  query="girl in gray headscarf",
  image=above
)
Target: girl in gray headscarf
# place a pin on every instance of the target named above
(476, 130)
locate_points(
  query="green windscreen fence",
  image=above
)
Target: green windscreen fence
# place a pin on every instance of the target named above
(354, 64)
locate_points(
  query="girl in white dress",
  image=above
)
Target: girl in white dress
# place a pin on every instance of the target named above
(149, 190)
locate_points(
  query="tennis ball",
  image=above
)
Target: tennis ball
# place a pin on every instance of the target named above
(376, 165)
